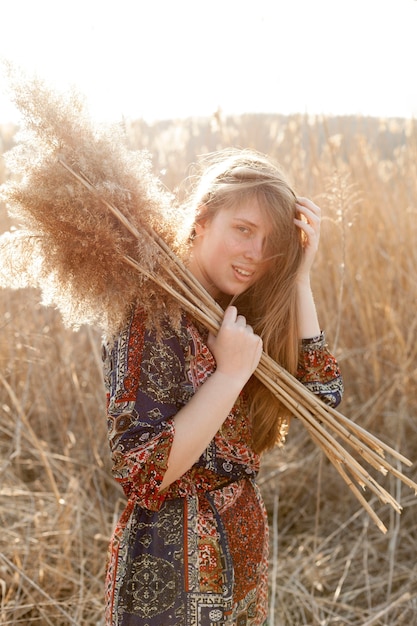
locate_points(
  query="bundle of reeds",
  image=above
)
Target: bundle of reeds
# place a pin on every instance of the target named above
(97, 228)
(69, 244)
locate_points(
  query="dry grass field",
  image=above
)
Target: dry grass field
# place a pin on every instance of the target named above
(330, 565)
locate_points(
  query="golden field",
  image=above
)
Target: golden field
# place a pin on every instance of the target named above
(330, 565)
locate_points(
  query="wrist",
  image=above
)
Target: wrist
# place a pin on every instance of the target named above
(303, 282)
(311, 344)
(229, 382)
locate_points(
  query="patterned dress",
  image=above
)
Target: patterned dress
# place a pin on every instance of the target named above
(196, 554)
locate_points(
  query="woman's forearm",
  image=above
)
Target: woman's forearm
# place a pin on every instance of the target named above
(237, 351)
(308, 323)
(198, 421)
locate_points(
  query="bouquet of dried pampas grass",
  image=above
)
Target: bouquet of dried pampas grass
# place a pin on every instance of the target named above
(98, 232)
(70, 244)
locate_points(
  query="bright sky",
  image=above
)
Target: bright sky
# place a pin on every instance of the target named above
(168, 58)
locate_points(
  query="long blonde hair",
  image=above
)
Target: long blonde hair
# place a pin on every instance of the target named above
(270, 304)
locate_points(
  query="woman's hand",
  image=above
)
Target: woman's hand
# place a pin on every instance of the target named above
(236, 348)
(310, 226)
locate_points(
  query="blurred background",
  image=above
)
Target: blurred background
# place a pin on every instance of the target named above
(167, 59)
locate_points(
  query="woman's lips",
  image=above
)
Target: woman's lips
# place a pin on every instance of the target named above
(243, 274)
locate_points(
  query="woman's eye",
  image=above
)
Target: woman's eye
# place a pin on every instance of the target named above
(243, 229)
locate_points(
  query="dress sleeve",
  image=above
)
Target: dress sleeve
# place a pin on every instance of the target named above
(319, 371)
(146, 385)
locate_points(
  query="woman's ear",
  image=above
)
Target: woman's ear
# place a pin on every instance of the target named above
(200, 223)
(199, 227)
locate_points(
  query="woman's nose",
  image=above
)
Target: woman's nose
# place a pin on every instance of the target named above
(255, 248)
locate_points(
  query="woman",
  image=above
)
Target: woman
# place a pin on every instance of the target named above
(188, 421)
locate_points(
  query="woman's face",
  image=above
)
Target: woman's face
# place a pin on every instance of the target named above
(229, 248)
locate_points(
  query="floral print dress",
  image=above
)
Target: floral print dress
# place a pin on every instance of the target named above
(196, 554)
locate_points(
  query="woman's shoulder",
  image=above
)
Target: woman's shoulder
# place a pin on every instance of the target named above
(164, 330)
(140, 331)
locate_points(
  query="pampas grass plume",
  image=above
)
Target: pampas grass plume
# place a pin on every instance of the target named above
(69, 244)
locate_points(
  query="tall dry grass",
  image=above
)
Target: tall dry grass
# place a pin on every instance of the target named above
(329, 564)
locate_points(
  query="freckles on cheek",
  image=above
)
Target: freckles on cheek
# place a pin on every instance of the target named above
(228, 247)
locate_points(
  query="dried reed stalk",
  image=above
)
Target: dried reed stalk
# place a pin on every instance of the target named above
(104, 224)
(323, 423)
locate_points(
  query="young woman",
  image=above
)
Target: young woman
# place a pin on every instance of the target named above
(188, 421)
